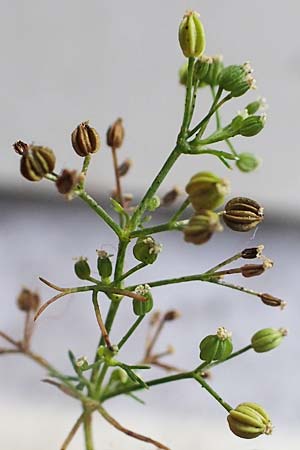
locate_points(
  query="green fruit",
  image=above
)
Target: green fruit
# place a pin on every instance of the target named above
(146, 250)
(141, 308)
(267, 339)
(216, 347)
(82, 269)
(249, 420)
(206, 191)
(191, 35)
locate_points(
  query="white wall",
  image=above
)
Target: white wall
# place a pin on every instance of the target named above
(63, 62)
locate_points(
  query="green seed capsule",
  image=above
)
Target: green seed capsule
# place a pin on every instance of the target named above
(237, 79)
(201, 227)
(141, 308)
(252, 125)
(202, 67)
(82, 269)
(214, 71)
(191, 35)
(36, 162)
(206, 191)
(267, 339)
(253, 107)
(104, 265)
(247, 162)
(146, 250)
(249, 420)
(216, 347)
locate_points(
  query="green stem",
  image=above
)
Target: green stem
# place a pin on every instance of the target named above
(224, 263)
(101, 212)
(187, 116)
(231, 147)
(233, 355)
(154, 187)
(218, 118)
(204, 122)
(87, 426)
(212, 392)
(233, 286)
(184, 279)
(51, 177)
(154, 382)
(85, 166)
(180, 211)
(103, 330)
(114, 306)
(174, 154)
(131, 271)
(130, 332)
(174, 226)
(100, 380)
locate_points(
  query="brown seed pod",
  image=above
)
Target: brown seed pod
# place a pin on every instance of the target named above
(66, 181)
(242, 214)
(115, 134)
(201, 227)
(28, 300)
(36, 162)
(85, 139)
(270, 300)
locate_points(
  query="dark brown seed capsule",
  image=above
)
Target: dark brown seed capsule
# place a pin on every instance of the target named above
(85, 140)
(36, 162)
(252, 253)
(173, 314)
(124, 167)
(170, 197)
(28, 300)
(66, 181)
(270, 300)
(242, 214)
(115, 134)
(252, 270)
(21, 147)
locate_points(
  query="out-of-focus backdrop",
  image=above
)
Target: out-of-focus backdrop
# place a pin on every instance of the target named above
(63, 62)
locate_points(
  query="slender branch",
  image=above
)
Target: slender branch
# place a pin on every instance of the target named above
(28, 329)
(218, 118)
(225, 263)
(174, 226)
(130, 433)
(212, 392)
(8, 339)
(231, 147)
(130, 331)
(154, 338)
(180, 211)
(187, 116)
(233, 355)
(100, 321)
(181, 143)
(154, 186)
(131, 271)
(48, 303)
(117, 176)
(154, 382)
(183, 279)
(72, 432)
(215, 105)
(101, 212)
(87, 426)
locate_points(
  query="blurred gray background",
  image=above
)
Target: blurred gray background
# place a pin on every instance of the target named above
(64, 62)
